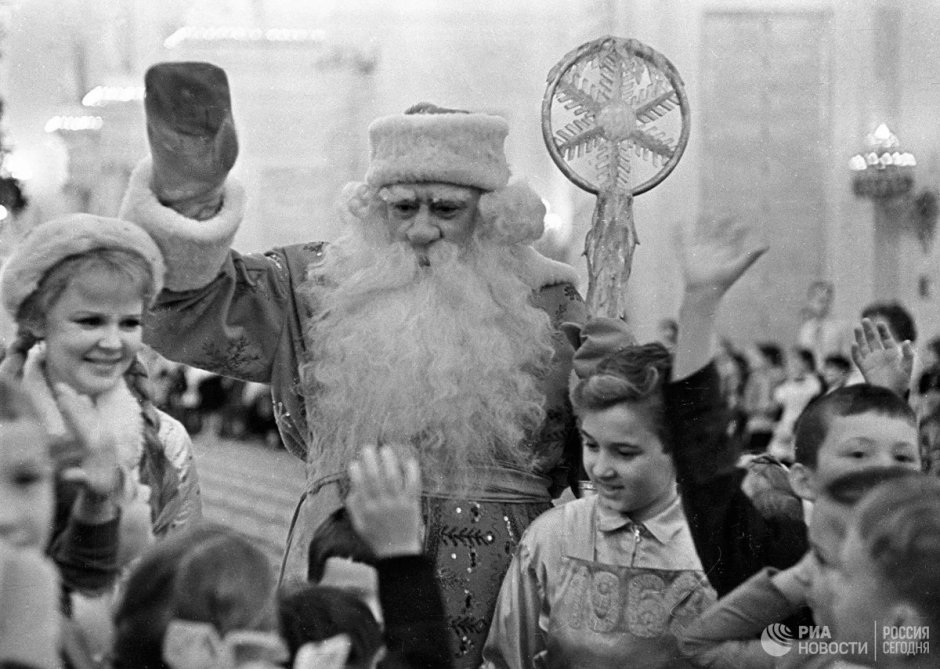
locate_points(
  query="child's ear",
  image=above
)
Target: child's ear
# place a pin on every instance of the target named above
(803, 481)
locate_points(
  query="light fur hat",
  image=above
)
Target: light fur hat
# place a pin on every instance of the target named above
(426, 145)
(432, 144)
(46, 245)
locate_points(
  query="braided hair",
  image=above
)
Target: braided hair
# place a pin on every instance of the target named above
(155, 470)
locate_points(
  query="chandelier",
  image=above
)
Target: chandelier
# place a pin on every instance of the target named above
(883, 170)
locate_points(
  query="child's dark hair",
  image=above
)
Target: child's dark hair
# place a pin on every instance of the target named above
(899, 525)
(336, 537)
(634, 375)
(208, 573)
(813, 424)
(318, 612)
(899, 319)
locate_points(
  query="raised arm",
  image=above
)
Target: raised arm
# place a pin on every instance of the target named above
(882, 360)
(384, 504)
(714, 255)
(220, 311)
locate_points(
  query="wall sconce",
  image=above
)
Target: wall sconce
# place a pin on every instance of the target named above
(882, 170)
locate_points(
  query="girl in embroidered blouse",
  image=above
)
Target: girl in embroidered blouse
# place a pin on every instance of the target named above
(77, 287)
(608, 580)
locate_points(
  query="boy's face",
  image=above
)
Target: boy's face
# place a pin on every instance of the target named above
(624, 459)
(864, 441)
(26, 485)
(826, 533)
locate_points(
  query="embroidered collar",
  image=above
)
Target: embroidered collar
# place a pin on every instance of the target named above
(663, 526)
(118, 407)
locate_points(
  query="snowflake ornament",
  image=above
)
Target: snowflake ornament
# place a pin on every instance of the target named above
(615, 119)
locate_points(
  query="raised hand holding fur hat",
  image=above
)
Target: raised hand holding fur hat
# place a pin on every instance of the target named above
(46, 245)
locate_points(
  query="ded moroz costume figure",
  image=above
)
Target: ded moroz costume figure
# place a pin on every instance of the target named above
(430, 325)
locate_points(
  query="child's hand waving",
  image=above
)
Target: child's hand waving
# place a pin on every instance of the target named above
(98, 471)
(384, 501)
(716, 252)
(881, 359)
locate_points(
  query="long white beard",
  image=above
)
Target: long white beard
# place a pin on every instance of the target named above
(444, 359)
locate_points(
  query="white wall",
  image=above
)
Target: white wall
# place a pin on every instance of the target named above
(494, 55)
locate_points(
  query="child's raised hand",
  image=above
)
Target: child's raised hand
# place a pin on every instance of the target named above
(715, 252)
(881, 359)
(384, 501)
(98, 471)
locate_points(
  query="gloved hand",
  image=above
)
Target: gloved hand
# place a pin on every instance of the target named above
(192, 135)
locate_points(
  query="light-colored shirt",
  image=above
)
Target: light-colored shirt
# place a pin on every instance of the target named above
(624, 588)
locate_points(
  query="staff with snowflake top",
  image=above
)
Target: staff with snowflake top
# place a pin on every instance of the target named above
(608, 124)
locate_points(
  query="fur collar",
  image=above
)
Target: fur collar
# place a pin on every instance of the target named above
(118, 407)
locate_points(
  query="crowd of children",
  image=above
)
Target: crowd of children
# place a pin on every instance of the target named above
(684, 555)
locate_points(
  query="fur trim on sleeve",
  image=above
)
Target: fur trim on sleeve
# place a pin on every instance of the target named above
(193, 250)
(538, 271)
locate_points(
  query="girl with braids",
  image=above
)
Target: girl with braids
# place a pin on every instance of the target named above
(77, 288)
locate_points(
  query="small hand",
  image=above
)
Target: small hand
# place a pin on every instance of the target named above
(99, 469)
(384, 501)
(716, 252)
(879, 357)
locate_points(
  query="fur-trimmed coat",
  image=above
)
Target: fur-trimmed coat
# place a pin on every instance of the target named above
(242, 316)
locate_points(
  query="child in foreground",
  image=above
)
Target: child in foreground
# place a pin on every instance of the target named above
(609, 580)
(48, 553)
(377, 543)
(729, 634)
(886, 596)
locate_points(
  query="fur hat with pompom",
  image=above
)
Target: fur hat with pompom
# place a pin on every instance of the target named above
(48, 244)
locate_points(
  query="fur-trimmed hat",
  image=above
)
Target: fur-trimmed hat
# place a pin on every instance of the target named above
(48, 244)
(432, 144)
